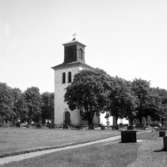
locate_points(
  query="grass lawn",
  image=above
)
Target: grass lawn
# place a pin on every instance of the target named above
(19, 139)
(99, 155)
(142, 154)
(150, 153)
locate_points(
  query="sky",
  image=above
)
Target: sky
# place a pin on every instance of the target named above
(127, 38)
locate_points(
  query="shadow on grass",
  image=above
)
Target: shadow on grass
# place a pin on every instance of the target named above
(160, 150)
(128, 142)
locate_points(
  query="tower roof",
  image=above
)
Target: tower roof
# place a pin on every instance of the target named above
(74, 56)
(74, 41)
(74, 64)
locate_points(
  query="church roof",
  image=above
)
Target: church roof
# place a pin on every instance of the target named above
(73, 64)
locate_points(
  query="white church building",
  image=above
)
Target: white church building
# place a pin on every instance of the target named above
(74, 61)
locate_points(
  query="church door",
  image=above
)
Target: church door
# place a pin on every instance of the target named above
(67, 119)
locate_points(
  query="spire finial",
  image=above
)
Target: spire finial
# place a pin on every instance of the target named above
(74, 36)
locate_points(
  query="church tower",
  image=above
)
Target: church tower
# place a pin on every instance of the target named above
(74, 51)
(74, 61)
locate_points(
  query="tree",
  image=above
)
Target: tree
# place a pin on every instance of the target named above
(6, 111)
(33, 101)
(161, 103)
(47, 108)
(88, 93)
(22, 109)
(141, 89)
(16, 95)
(154, 106)
(121, 101)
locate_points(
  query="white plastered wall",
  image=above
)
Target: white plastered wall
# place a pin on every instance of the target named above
(59, 105)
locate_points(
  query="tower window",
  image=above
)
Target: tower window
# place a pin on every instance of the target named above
(69, 77)
(81, 54)
(70, 54)
(64, 77)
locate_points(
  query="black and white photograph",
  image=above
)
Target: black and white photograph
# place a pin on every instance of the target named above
(83, 83)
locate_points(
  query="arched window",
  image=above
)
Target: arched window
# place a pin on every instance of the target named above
(64, 77)
(69, 77)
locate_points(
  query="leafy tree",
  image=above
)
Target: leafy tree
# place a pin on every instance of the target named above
(122, 103)
(88, 93)
(22, 109)
(16, 95)
(6, 111)
(47, 107)
(161, 105)
(141, 89)
(33, 101)
(154, 107)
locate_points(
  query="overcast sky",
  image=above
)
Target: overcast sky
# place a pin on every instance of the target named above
(127, 38)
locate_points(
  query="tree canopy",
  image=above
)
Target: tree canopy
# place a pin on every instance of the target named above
(6, 103)
(88, 93)
(33, 101)
(122, 102)
(94, 91)
(47, 106)
(91, 92)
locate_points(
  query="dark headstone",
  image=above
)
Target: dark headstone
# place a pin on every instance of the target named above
(165, 143)
(128, 136)
(102, 127)
(38, 125)
(162, 133)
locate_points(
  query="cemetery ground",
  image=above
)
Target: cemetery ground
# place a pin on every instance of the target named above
(20, 139)
(145, 153)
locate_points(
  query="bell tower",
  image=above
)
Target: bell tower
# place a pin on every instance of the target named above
(74, 51)
(64, 74)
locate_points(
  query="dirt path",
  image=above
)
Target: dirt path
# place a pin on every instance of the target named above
(39, 153)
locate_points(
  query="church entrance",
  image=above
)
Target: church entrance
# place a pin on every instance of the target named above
(67, 120)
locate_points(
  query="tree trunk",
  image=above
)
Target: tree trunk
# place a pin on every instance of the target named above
(115, 119)
(90, 120)
(130, 121)
(144, 122)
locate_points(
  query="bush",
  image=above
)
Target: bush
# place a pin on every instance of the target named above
(76, 126)
(115, 127)
(130, 127)
(140, 126)
(102, 127)
(51, 126)
(38, 125)
(155, 124)
(18, 124)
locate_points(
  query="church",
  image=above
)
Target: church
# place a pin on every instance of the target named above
(74, 62)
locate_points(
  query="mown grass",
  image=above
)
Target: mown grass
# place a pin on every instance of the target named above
(20, 139)
(99, 155)
(150, 152)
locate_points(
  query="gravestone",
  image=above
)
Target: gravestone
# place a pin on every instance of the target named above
(162, 133)
(165, 143)
(128, 136)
